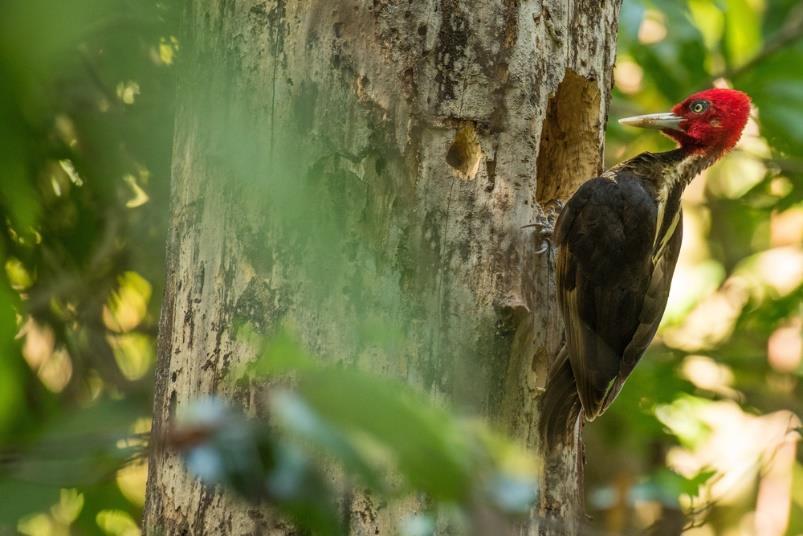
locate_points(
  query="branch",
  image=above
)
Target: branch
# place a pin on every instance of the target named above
(790, 32)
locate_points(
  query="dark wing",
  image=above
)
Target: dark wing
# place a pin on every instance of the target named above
(653, 306)
(604, 268)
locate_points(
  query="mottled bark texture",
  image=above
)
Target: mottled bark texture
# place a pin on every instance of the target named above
(427, 133)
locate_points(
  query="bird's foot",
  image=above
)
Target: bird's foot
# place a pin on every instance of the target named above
(542, 234)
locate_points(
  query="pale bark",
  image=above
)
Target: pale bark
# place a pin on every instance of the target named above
(434, 130)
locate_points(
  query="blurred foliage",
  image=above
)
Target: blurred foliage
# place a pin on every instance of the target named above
(380, 435)
(86, 98)
(86, 103)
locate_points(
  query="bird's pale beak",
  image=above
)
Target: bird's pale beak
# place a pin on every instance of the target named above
(656, 121)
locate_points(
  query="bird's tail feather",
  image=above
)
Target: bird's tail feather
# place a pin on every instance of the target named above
(560, 404)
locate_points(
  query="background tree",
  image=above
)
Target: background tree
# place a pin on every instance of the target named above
(361, 174)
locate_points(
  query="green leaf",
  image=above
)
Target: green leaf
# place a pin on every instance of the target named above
(774, 84)
(427, 446)
(710, 20)
(299, 419)
(667, 486)
(742, 32)
(281, 354)
(23, 498)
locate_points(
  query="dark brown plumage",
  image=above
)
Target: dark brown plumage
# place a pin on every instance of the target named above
(619, 238)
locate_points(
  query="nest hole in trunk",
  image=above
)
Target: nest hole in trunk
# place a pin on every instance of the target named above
(569, 152)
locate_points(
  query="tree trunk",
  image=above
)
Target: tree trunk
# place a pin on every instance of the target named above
(347, 167)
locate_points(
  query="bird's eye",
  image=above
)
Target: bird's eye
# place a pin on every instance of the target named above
(699, 106)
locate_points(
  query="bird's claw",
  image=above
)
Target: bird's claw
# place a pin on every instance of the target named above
(543, 234)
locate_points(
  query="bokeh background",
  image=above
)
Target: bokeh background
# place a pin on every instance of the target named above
(705, 433)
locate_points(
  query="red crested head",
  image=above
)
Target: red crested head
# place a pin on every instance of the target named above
(713, 120)
(709, 121)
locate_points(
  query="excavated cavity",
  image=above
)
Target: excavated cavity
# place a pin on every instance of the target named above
(465, 152)
(569, 152)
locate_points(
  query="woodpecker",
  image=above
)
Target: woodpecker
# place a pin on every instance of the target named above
(618, 240)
